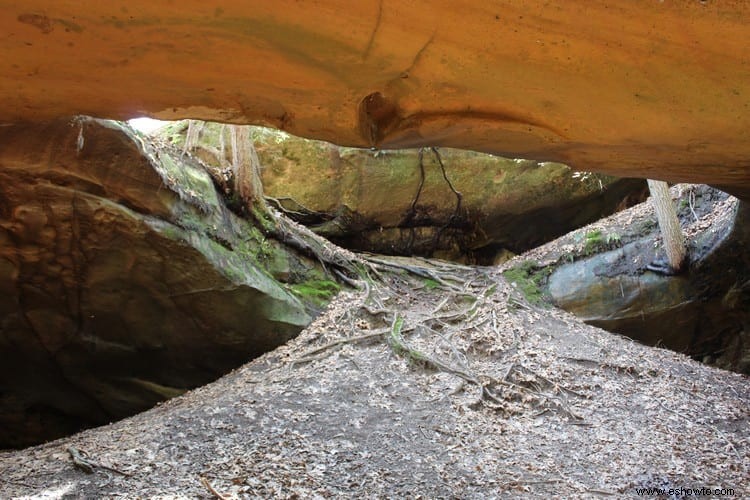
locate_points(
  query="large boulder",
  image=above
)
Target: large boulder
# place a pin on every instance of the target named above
(704, 312)
(124, 279)
(635, 88)
(446, 203)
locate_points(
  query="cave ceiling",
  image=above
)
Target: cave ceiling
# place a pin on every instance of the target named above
(643, 88)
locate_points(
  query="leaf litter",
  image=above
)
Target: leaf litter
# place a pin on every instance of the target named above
(406, 389)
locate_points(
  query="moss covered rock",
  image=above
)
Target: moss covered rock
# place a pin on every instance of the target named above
(446, 203)
(124, 279)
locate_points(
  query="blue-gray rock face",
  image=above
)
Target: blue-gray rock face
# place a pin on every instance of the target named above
(704, 312)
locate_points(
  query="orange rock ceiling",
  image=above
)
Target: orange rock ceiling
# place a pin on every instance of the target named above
(652, 88)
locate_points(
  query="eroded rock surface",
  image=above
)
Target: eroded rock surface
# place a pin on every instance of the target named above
(123, 279)
(635, 88)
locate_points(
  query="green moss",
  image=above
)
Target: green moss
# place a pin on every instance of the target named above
(318, 292)
(431, 284)
(263, 219)
(529, 278)
(595, 241)
(396, 341)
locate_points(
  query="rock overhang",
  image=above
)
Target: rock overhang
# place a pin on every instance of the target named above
(636, 88)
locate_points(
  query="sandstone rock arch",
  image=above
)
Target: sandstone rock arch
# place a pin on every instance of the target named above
(633, 88)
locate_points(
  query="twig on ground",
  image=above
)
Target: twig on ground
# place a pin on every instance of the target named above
(601, 492)
(721, 434)
(17, 483)
(306, 356)
(80, 462)
(526, 482)
(731, 446)
(559, 387)
(87, 465)
(212, 490)
(441, 305)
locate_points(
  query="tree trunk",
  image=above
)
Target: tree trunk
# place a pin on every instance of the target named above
(222, 147)
(246, 167)
(666, 214)
(193, 134)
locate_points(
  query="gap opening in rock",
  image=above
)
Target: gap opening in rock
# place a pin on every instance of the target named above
(445, 203)
(130, 274)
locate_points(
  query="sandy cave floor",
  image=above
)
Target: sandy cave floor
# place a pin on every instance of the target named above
(479, 395)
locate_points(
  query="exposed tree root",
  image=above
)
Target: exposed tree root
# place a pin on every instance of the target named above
(385, 282)
(81, 461)
(302, 212)
(310, 355)
(411, 219)
(467, 302)
(308, 243)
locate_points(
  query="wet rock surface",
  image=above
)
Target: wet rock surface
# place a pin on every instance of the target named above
(123, 280)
